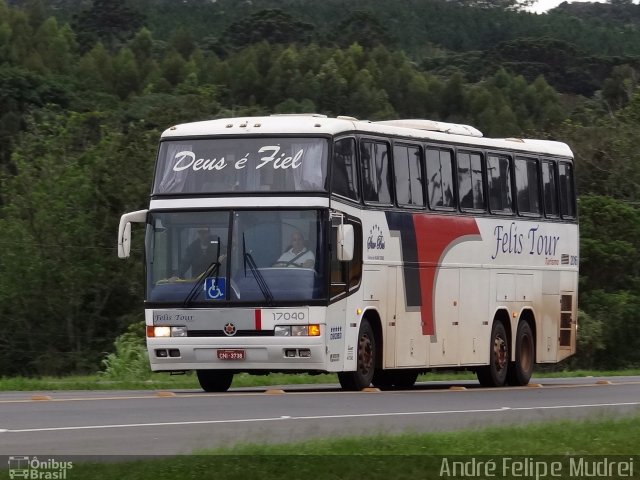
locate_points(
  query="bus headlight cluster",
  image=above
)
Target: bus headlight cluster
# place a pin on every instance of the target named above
(166, 331)
(312, 330)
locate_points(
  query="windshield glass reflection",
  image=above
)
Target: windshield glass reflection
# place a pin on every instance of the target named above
(241, 165)
(266, 257)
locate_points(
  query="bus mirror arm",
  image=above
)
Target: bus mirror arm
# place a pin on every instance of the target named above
(345, 242)
(124, 231)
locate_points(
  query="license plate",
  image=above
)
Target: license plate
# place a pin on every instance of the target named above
(231, 355)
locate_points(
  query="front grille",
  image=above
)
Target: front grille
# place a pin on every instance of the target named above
(239, 333)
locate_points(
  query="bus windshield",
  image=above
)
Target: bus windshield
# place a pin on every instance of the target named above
(241, 165)
(257, 256)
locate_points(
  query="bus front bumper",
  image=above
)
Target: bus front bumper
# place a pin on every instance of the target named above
(276, 354)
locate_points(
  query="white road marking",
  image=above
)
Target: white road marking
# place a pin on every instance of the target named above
(252, 393)
(314, 417)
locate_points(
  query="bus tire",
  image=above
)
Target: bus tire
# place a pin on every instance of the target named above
(383, 379)
(366, 361)
(521, 369)
(214, 380)
(495, 374)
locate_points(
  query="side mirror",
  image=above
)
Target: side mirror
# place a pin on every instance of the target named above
(124, 231)
(346, 241)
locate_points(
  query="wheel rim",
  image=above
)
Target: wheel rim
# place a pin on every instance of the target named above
(365, 355)
(500, 353)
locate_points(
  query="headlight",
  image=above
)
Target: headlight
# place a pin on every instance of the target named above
(282, 331)
(166, 331)
(299, 330)
(161, 331)
(178, 331)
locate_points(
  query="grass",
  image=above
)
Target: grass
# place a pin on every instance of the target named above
(189, 381)
(401, 456)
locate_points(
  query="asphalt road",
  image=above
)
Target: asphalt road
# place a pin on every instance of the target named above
(181, 421)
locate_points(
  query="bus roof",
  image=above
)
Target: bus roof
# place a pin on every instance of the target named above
(313, 124)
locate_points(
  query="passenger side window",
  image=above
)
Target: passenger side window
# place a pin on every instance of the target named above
(407, 166)
(470, 187)
(550, 189)
(346, 276)
(344, 180)
(567, 194)
(440, 179)
(499, 182)
(355, 265)
(528, 186)
(376, 176)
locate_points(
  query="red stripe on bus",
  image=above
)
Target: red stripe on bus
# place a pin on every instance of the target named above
(258, 318)
(434, 236)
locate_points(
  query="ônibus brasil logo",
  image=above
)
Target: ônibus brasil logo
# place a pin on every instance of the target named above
(33, 468)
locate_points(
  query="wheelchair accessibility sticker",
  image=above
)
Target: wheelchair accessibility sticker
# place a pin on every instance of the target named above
(215, 288)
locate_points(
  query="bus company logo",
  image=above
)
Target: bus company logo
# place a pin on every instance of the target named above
(229, 329)
(533, 241)
(33, 468)
(376, 239)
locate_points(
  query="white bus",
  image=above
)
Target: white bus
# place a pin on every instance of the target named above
(376, 250)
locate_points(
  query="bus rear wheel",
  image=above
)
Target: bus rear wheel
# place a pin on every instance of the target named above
(366, 361)
(214, 380)
(495, 374)
(520, 371)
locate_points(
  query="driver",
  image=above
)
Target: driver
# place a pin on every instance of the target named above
(298, 255)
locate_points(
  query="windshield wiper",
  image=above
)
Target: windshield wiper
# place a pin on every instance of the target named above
(262, 284)
(213, 268)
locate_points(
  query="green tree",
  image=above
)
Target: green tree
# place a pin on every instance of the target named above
(126, 80)
(20, 92)
(618, 89)
(270, 25)
(368, 101)
(606, 152)
(182, 42)
(453, 98)
(95, 69)
(363, 28)
(111, 22)
(617, 311)
(610, 231)
(62, 290)
(334, 88)
(55, 46)
(174, 68)
(36, 12)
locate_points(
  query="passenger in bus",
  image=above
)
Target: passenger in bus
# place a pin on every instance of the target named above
(200, 253)
(298, 255)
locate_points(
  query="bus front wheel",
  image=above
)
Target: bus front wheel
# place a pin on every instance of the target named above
(366, 361)
(214, 380)
(495, 374)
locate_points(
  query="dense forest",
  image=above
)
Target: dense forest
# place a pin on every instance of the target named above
(86, 88)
